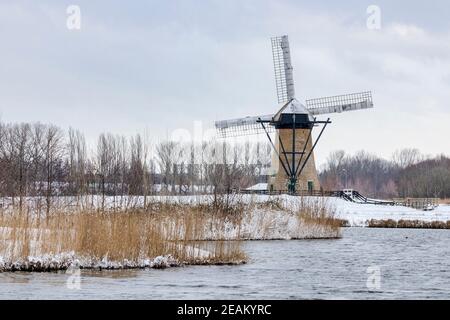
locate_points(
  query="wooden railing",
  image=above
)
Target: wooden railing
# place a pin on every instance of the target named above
(417, 203)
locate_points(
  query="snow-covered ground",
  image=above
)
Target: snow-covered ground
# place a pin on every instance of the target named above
(356, 214)
(359, 214)
(258, 186)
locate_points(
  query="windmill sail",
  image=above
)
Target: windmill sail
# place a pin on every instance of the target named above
(242, 126)
(284, 79)
(293, 159)
(342, 103)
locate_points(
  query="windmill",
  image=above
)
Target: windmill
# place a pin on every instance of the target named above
(293, 146)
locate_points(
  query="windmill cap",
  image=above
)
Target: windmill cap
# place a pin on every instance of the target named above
(293, 107)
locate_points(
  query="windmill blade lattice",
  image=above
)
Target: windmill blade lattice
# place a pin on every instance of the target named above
(242, 126)
(342, 103)
(284, 79)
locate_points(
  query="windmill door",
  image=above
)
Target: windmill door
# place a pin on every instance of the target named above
(310, 186)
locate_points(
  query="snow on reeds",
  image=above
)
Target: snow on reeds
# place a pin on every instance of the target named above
(160, 233)
(94, 238)
(304, 217)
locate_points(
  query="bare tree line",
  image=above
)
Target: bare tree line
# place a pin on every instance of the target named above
(42, 160)
(407, 174)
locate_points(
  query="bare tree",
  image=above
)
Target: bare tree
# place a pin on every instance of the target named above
(77, 158)
(406, 157)
(166, 154)
(21, 139)
(37, 155)
(53, 151)
(136, 178)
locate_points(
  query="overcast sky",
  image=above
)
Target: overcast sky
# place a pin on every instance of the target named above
(162, 65)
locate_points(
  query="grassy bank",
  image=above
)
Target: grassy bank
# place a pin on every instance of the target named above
(411, 224)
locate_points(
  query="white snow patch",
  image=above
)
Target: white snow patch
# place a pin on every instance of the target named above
(258, 186)
(66, 260)
(359, 214)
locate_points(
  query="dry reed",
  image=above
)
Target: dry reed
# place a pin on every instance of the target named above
(409, 224)
(115, 236)
(125, 237)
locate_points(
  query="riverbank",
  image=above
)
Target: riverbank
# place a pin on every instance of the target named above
(157, 235)
(408, 224)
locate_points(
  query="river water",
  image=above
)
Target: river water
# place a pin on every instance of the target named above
(364, 264)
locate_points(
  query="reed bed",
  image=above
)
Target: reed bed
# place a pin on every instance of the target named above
(316, 218)
(159, 232)
(409, 224)
(126, 238)
(317, 212)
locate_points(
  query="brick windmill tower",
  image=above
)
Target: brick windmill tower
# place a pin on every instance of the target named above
(293, 162)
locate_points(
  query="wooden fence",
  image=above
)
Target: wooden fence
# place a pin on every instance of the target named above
(418, 203)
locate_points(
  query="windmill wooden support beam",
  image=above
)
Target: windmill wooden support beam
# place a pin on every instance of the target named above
(294, 169)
